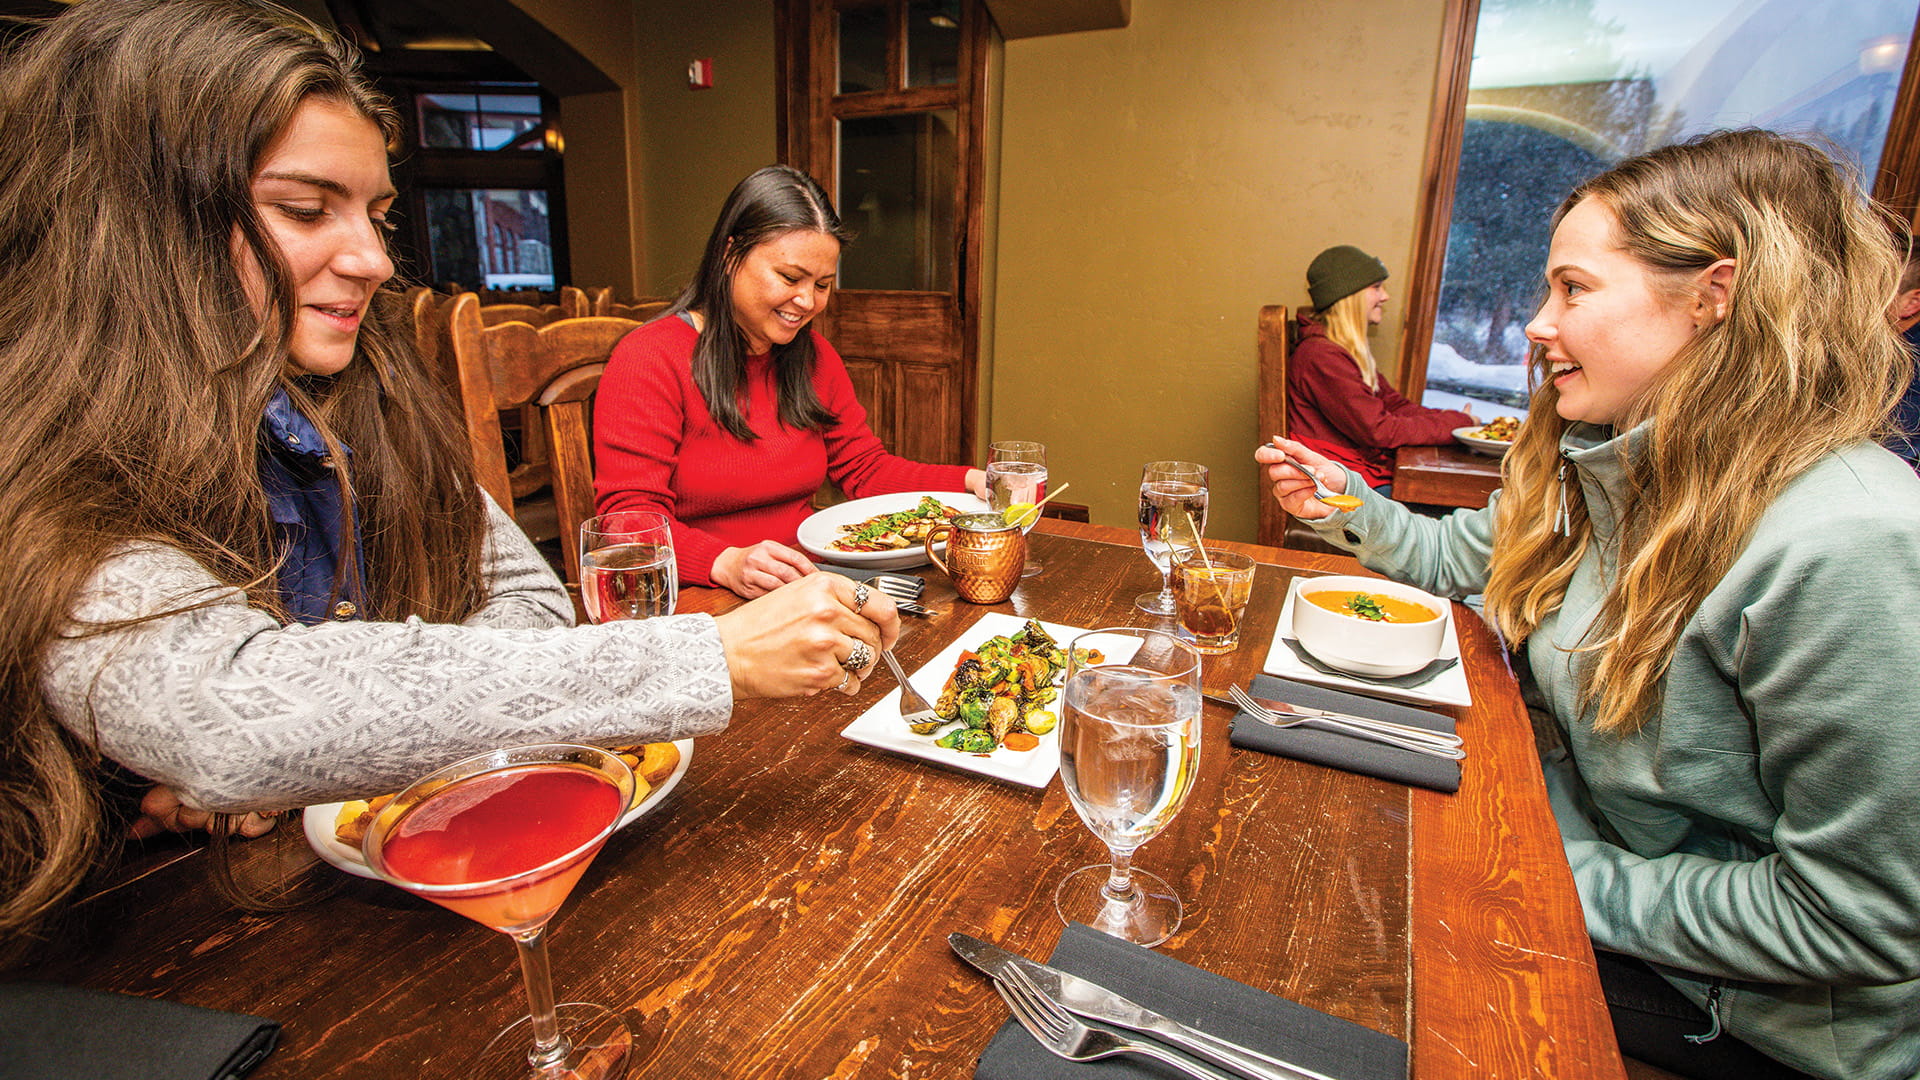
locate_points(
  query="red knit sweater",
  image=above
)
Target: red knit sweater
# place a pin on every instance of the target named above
(1332, 410)
(656, 447)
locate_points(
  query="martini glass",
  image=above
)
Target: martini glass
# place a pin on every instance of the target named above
(501, 838)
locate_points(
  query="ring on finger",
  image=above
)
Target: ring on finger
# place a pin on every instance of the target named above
(859, 658)
(860, 594)
(844, 681)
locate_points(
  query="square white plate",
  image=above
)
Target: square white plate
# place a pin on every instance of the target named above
(1447, 688)
(818, 532)
(880, 726)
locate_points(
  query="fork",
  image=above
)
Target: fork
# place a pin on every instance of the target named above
(1414, 739)
(904, 591)
(1067, 1037)
(914, 710)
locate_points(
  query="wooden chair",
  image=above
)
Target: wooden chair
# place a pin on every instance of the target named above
(1278, 334)
(429, 311)
(572, 305)
(602, 303)
(552, 370)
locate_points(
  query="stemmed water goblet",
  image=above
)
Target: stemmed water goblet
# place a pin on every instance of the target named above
(502, 838)
(1129, 752)
(626, 566)
(1173, 517)
(1017, 475)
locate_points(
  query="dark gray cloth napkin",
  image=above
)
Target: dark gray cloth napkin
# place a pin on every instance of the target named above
(1405, 682)
(49, 1031)
(1200, 999)
(1310, 742)
(860, 574)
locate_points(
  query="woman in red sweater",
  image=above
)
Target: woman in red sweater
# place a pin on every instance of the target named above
(1337, 401)
(726, 413)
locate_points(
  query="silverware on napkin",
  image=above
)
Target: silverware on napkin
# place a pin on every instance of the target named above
(1407, 731)
(1087, 998)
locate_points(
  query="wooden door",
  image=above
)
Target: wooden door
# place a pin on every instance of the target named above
(883, 104)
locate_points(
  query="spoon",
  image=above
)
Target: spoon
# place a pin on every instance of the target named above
(1320, 490)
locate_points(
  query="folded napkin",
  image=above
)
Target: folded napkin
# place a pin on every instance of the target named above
(1311, 742)
(48, 1030)
(1199, 999)
(1405, 682)
(859, 574)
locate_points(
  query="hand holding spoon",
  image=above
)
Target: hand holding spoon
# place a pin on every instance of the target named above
(1320, 490)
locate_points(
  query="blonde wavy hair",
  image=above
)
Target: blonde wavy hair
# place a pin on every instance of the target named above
(1804, 363)
(1346, 323)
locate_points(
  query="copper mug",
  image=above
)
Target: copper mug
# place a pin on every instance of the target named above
(984, 556)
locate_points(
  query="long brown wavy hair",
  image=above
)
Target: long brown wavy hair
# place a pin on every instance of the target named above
(135, 370)
(1805, 362)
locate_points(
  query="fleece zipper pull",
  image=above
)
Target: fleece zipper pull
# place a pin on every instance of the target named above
(1713, 1013)
(1562, 520)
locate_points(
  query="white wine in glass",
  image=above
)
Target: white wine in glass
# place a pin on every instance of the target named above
(1129, 752)
(1173, 517)
(1017, 476)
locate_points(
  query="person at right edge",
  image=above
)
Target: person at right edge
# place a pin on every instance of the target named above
(1338, 403)
(1709, 570)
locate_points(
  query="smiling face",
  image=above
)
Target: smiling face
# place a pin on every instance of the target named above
(781, 284)
(322, 189)
(1609, 326)
(1375, 301)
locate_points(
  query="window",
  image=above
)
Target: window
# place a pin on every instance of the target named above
(1560, 90)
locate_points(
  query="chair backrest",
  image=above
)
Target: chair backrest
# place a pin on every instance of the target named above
(429, 311)
(553, 369)
(573, 305)
(601, 302)
(1276, 345)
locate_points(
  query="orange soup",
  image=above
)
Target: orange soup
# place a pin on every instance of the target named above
(1373, 607)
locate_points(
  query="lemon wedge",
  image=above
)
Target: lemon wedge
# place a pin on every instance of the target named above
(1021, 515)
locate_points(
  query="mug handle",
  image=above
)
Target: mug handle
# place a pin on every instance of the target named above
(938, 532)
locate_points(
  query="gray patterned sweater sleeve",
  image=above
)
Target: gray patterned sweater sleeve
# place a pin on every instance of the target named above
(237, 712)
(523, 593)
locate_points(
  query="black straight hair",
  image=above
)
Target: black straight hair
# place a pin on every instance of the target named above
(775, 200)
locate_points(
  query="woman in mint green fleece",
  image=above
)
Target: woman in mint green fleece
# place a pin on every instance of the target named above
(1712, 574)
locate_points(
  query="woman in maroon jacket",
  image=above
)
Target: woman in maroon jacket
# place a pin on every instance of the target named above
(1337, 401)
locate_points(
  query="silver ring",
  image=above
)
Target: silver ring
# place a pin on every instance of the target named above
(860, 594)
(844, 680)
(859, 658)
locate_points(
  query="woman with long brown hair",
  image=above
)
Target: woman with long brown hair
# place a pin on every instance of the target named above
(247, 561)
(1709, 570)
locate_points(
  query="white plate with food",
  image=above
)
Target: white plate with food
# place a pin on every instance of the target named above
(881, 727)
(322, 822)
(1447, 687)
(821, 532)
(1493, 437)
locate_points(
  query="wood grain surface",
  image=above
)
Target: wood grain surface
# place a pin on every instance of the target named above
(784, 912)
(1444, 476)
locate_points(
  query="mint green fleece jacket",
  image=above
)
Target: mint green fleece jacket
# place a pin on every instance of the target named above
(1758, 839)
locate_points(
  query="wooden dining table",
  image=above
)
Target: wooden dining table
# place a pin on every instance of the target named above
(1444, 476)
(784, 911)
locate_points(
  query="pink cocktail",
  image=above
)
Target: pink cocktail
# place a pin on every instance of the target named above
(502, 838)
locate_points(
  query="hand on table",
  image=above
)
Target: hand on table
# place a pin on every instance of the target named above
(1294, 488)
(162, 811)
(795, 639)
(760, 569)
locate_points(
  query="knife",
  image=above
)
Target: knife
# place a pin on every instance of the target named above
(1408, 731)
(1096, 1002)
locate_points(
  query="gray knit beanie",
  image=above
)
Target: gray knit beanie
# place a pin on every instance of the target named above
(1339, 272)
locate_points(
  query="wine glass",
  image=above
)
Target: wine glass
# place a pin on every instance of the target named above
(1016, 474)
(1173, 515)
(501, 838)
(626, 566)
(1129, 751)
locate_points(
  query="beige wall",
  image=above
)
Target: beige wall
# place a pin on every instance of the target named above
(1159, 183)
(696, 144)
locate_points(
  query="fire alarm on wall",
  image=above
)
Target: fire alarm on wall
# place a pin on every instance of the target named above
(700, 75)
